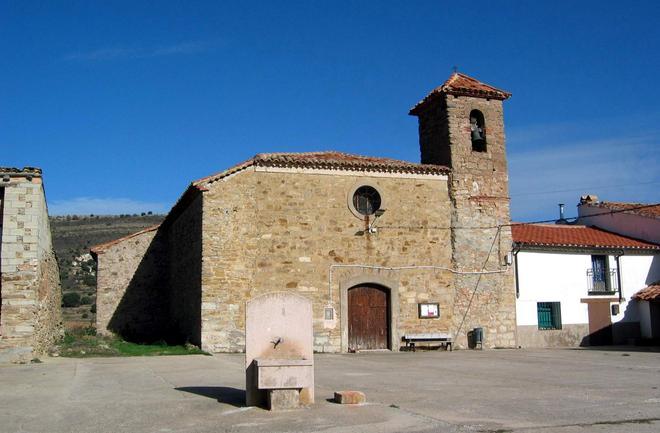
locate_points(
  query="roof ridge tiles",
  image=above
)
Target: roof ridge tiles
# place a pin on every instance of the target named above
(460, 84)
(327, 160)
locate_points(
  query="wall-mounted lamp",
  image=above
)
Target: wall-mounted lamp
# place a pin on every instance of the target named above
(379, 213)
(508, 259)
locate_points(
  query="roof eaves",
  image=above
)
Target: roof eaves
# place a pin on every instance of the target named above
(543, 245)
(201, 183)
(100, 248)
(471, 87)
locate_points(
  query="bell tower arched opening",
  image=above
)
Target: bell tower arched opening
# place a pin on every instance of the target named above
(478, 131)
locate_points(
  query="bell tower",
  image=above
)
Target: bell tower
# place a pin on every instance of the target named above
(461, 126)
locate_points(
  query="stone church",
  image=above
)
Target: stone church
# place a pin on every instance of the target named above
(382, 247)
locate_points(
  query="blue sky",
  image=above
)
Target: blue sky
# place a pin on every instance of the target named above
(123, 103)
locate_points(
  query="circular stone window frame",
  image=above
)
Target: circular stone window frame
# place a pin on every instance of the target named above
(351, 193)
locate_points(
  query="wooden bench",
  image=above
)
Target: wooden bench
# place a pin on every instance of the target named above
(443, 338)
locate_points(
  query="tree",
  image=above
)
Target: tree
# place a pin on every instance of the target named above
(71, 299)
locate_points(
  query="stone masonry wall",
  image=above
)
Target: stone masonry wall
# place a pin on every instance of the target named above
(132, 292)
(31, 317)
(480, 201)
(48, 326)
(185, 273)
(279, 231)
(229, 245)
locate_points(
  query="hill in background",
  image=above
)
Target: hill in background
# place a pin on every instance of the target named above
(73, 235)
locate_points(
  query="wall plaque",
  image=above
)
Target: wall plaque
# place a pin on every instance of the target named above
(429, 310)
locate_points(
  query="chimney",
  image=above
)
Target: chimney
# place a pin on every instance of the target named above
(561, 219)
(588, 199)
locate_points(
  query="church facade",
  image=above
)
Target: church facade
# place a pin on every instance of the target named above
(382, 247)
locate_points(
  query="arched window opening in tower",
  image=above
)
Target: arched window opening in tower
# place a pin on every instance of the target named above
(478, 131)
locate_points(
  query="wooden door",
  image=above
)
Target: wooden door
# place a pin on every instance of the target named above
(368, 312)
(600, 324)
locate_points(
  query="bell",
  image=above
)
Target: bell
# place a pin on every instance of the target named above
(477, 133)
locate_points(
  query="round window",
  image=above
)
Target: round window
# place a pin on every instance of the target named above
(366, 200)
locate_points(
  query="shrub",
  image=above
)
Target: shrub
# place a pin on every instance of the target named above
(71, 299)
(89, 280)
(93, 308)
(85, 300)
(85, 315)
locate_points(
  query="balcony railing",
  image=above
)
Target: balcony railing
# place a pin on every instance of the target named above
(602, 282)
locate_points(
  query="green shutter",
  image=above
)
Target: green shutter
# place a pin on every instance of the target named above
(556, 315)
(549, 315)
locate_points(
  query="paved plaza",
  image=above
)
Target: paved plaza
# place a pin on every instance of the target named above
(461, 391)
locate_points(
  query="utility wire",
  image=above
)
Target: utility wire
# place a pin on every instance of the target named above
(476, 286)
(585, 188)
(422, 227)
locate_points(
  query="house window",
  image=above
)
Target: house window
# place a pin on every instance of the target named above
(477, 131)
(366, 200)
(600, 276)
(549, 315)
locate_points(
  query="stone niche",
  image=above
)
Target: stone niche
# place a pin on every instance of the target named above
(279, 358)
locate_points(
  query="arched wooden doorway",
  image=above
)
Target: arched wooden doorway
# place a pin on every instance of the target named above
(368, 317)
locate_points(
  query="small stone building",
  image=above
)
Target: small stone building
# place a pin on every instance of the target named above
(382, 247)
(30, 294)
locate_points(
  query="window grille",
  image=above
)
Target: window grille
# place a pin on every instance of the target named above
(549, 315)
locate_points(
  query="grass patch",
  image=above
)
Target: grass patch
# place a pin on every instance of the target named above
(84, 343)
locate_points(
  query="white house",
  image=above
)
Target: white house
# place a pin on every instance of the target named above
(575, 284)
(636, 220)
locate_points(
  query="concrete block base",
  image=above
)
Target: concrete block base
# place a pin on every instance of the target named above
(279, 399)
(350, 397)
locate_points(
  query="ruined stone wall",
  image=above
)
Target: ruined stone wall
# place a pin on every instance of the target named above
(184, 250)
(31, 317)
(131, 287)
(268, 231)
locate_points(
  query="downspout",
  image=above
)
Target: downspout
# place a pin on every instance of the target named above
(618, 275)
(515, 270)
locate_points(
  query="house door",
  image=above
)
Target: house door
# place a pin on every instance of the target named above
(600, 324)
(368, 318)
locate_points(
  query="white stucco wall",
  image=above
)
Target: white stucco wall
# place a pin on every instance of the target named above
(635, 274)
(551, 277)
(645, 320)
(557, 277)
(631, 225)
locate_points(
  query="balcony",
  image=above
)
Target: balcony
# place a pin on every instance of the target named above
(602, 282)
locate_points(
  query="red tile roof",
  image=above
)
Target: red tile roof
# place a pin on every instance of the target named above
(330, 161)
(649, 293)
(463, 85)
(20, 172)
(552, 235)
(642, 209)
